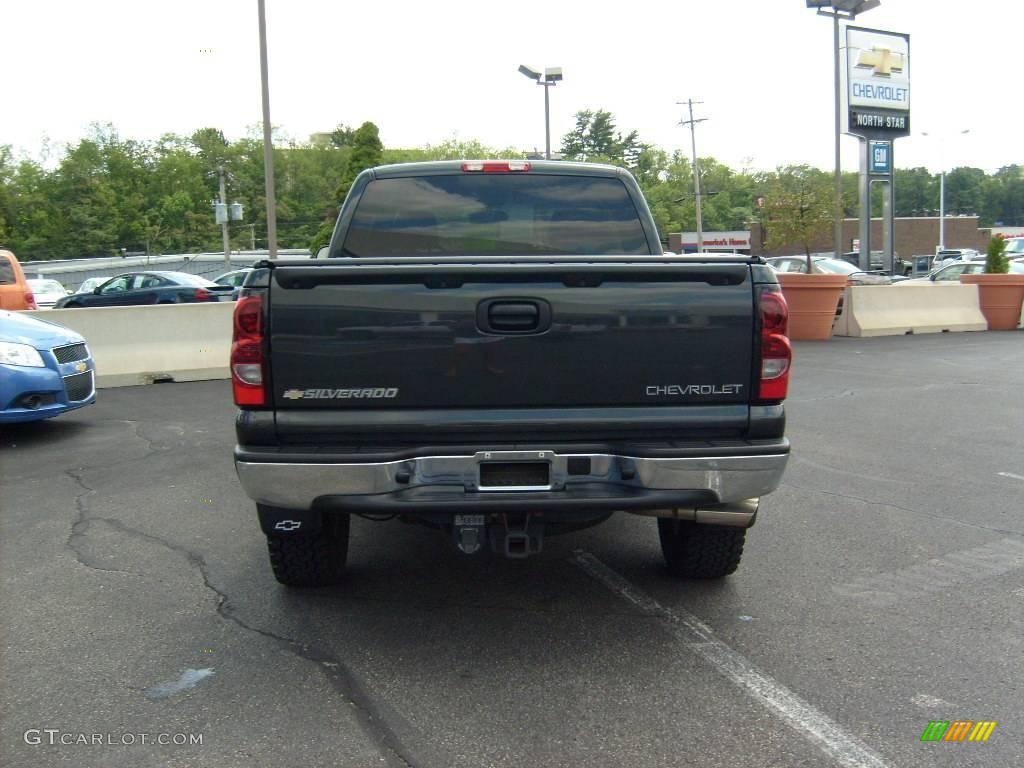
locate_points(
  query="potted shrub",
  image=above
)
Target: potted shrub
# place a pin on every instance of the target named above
(799, 208)
(1000, 293)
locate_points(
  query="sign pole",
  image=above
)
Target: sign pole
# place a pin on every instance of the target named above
(864, 188)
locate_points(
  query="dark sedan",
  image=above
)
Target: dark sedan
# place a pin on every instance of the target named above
(149, 288)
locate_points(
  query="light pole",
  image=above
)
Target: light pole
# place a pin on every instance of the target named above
(942, 185)
(549, 77)
(848, 10)
(268, 143)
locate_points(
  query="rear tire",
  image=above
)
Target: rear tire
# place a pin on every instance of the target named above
(700, 551)
(311, 561)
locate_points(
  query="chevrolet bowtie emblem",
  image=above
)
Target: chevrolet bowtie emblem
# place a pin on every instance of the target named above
(882, 60)
(81, 367)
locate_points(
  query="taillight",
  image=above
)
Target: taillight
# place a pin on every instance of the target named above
(247, 352)
(201, 294)
(491, 166)
(30, 301)
(776, 354)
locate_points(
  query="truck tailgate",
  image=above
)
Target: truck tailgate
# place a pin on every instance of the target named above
(633, 332)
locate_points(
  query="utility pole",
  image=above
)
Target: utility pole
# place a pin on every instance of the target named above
(224, 221)
(223, 213)
(696, 168)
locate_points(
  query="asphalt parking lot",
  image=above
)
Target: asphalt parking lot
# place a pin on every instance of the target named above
(882, 588)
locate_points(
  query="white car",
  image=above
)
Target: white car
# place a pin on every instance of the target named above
(955, 254)
(47, 292)
(1014, 247)
(91, 283)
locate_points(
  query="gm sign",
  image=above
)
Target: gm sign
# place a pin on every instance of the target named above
(880, 157)
(877, 83)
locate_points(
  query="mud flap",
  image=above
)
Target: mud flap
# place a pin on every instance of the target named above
(276, 521)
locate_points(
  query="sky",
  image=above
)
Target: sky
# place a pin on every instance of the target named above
(428, 72)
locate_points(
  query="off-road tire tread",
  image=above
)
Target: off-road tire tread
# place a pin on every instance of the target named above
(311, 561)
(700, 551)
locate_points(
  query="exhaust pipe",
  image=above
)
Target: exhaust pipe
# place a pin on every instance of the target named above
(739, 514)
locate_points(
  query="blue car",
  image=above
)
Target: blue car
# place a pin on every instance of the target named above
(45, 369)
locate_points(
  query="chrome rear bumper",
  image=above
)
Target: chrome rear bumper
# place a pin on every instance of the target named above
(600, 477)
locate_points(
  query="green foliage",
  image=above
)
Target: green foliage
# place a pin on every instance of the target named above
(105, 193)
(595, 139)
(799, 207)
(996, 262)
(342, 136)
(366, 152)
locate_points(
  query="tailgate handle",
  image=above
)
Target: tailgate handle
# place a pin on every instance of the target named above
(512, 316)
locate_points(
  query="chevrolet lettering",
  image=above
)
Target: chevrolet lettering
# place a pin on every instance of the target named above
(694, 389)
(522, 308)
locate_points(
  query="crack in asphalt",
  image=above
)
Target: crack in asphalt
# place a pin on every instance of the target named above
(889, 504)
(373, 717)
(80, 528)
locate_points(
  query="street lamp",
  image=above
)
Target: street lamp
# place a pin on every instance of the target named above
(848, 10)
(547, 78)
(942, 185)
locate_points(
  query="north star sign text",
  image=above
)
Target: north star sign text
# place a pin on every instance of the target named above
(872, 120)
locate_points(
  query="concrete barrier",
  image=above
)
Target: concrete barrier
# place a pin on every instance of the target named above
(893, 310)
(141, 345)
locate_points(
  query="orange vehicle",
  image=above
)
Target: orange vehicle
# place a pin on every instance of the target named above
(14, 291)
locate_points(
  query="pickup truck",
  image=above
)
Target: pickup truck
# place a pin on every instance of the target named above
(501, 351)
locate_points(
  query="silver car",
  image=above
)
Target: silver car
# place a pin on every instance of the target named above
(950, 272)
(46, 291)
(826, 265)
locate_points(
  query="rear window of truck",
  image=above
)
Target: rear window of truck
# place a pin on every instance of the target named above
(495, 214)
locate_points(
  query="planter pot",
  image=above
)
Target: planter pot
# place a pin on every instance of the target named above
(1000, 297)
(812, 301)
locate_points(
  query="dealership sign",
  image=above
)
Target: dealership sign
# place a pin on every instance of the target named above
(877, 83)
(736, 240)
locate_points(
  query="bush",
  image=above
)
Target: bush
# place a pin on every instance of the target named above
(995, 260)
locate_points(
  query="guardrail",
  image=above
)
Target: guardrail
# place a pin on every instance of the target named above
(894, 310)
(143, 345)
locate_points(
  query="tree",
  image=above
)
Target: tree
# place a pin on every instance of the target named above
(996, 262)
(916, 192)
(799, 207)
(595, 139)
(342, 136)
(367, 151)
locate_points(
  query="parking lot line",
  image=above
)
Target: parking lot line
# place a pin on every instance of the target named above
(845, 748)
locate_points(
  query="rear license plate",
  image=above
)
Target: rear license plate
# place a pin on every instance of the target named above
(462, 521)
(515, 474)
